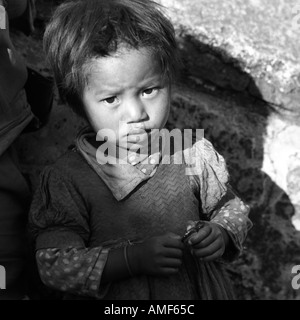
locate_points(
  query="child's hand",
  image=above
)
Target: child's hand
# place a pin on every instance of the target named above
(209, 242)
(159, 256)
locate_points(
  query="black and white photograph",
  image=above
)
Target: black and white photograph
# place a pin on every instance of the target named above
(149, 152)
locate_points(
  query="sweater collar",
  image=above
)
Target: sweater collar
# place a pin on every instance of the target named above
(121, 179)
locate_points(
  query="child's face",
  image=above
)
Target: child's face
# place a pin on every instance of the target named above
(126, 91)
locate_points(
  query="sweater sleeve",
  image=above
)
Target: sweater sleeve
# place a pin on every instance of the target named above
(73, 270)
(209, 179)
(58, 224)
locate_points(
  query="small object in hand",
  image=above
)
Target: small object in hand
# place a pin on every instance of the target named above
(194, 229)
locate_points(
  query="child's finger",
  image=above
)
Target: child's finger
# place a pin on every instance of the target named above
(214, 256)
(169, 271)
(200, 235)
(212, 237)
(171, 263)
(172, 240)
(173, 253)
(204, 243)
(172, 235)
(207, 251)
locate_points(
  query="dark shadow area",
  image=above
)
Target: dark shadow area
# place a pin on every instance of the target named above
(237, 131)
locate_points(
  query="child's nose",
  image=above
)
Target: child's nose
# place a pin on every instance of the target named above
(136, 111)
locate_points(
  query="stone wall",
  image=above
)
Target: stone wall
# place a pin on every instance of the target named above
(240, 82)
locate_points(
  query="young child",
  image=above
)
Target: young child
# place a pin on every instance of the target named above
(115, 230)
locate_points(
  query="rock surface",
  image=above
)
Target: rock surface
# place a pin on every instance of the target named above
(237, 39)
(241, 84)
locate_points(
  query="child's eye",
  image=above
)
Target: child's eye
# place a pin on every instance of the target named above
(110, 100)
(149, 93)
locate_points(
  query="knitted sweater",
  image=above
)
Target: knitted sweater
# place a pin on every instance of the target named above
(76, 220)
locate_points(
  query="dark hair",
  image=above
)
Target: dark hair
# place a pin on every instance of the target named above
(85, 29)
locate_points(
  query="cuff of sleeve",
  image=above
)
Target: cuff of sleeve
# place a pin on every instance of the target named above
(93, 284)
